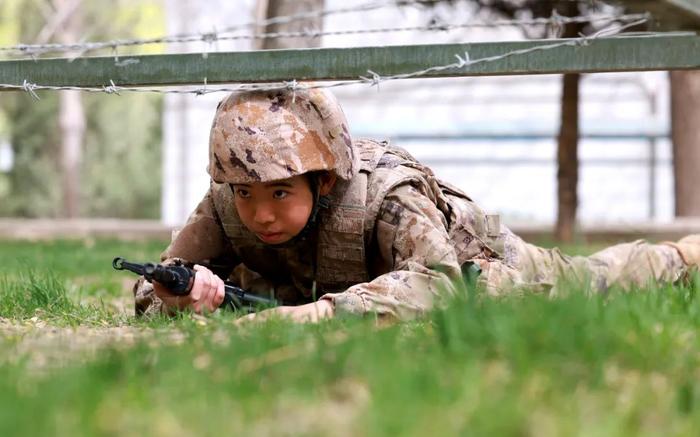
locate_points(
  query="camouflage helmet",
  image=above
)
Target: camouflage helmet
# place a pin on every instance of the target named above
(261, 136)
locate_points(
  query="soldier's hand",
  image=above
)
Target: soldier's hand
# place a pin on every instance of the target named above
(309, 313)
(206, 295)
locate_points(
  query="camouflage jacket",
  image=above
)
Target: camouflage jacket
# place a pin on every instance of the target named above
(390, 243)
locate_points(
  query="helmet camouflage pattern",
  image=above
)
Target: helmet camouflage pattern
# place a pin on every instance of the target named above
(261, 136)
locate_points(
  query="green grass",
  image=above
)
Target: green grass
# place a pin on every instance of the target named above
(623, 364)
(86, 262)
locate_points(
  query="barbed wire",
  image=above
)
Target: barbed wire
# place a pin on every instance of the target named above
(372, 78)
(555, 20)
(207, 37)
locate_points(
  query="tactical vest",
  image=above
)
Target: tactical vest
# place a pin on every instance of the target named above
(347, 227)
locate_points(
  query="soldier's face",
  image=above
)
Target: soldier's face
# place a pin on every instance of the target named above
(275, 211)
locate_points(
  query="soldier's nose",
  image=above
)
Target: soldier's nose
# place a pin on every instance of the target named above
(264, 215)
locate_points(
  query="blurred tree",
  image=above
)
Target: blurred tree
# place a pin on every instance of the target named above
(117, 170)
(122, 166)
(276, 8)
(64, 23)
(685, 130)
(31, 128)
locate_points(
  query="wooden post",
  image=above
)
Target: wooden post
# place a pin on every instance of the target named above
(567, 160)
(567, 144)
(685, 130)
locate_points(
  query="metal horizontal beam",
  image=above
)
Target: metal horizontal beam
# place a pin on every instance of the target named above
(631, 53)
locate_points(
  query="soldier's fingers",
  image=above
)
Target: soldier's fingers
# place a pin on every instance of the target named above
(220, 293)
(217, 295)
(209, 292)
(199, 287)
(208, 299)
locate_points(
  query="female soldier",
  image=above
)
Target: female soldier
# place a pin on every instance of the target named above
(331, 225)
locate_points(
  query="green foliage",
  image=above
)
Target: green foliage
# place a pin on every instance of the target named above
(30, 188)
(122, 161)
(120, 169)
(9, 28)
(34, 181)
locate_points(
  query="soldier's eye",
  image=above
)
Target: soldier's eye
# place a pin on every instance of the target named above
(242, 193)
(279, 194)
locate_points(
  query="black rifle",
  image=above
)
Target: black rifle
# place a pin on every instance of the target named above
(178, 279)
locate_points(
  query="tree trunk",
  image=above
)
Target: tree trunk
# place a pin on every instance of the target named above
(685, 131)
(567, 160)
(71, 120)
(276, 8)
(567, 147)
(72, 126)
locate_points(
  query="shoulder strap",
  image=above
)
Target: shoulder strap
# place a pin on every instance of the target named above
(341, 260)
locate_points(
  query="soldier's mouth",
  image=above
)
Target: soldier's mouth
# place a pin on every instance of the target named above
(274, 237)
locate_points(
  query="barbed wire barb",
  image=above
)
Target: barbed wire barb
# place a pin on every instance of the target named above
(557, 23)
(29, 88)
(462, 61)
(292, 85)
(112, 88)
(374, 80)
(202, 91)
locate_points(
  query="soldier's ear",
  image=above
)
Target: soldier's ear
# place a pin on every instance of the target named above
(326, 182)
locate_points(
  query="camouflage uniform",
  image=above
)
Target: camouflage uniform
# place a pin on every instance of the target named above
(393, 238)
